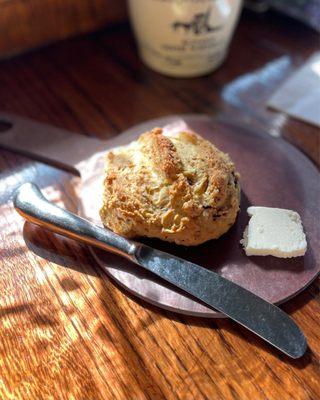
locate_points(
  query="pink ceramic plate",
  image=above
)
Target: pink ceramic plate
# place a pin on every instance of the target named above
(273, 173)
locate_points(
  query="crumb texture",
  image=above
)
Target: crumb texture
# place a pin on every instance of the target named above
(179, 188)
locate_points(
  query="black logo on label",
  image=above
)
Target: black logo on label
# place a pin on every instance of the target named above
(199, 24)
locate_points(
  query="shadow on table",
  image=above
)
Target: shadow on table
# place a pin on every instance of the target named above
(70, 254)
(35, 316)
(57, 249)
(225, 324)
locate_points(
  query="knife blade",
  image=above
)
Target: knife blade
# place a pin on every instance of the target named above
(249, 310)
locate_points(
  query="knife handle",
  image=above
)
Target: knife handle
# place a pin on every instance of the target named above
(34, 207)
(257, 315)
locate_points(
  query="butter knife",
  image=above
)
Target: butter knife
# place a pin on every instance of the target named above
(259, 316)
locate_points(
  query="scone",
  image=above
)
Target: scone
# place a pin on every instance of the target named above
(178, 188)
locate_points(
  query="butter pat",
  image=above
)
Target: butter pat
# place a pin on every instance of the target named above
(275, 232)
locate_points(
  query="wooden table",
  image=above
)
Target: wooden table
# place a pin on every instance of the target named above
(67, 331)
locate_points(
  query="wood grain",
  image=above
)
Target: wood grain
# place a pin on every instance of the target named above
(66, 330)
(25, 25)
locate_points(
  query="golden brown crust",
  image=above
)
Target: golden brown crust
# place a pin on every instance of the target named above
(177, 188)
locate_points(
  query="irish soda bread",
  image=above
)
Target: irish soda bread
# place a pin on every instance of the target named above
(179, 188)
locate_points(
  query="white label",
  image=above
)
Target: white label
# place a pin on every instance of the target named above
(183, 37)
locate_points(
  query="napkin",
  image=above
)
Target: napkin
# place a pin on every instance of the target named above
(299, 96)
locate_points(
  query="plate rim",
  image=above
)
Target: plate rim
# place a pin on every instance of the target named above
(223, 119)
